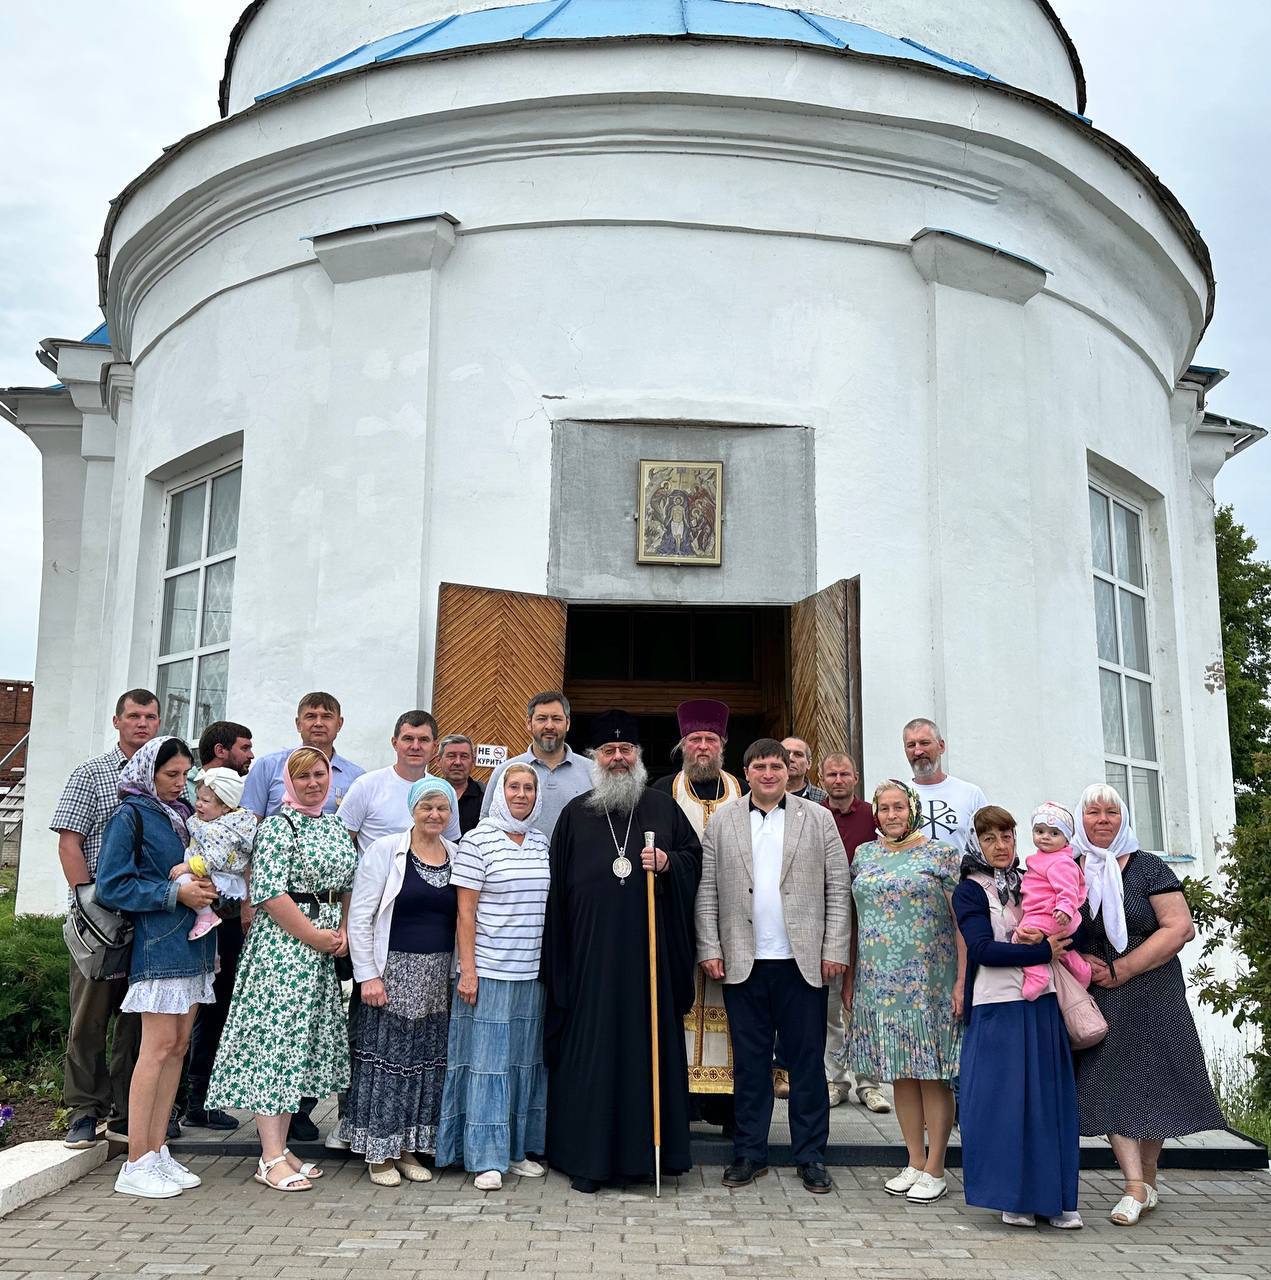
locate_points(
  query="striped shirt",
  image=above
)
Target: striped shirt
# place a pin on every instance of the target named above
(512, 880)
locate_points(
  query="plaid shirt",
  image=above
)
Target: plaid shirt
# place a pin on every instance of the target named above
(90, 797)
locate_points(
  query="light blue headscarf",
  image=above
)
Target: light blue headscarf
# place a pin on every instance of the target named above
(422, 788)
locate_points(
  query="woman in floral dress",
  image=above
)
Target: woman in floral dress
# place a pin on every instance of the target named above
(904, 989)
(286, 1036)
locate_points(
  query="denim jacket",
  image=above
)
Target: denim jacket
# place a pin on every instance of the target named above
(140, 886)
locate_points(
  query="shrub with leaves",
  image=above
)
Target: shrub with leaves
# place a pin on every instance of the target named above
(1238, 915)
(34, 1001)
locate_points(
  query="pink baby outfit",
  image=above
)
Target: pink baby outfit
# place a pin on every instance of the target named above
(1053, 882)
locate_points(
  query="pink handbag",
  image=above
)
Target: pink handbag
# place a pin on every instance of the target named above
(1086, 1025)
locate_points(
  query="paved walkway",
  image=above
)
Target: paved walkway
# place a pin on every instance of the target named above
(1208, 1225)
(856, 1135)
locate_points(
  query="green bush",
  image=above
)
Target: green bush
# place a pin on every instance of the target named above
(34, 1002)
(1238, 915)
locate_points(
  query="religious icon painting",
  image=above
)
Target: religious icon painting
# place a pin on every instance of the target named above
(681, 507)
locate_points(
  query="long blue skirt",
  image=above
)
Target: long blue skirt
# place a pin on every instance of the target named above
(494, 1103)
(1021, 1152)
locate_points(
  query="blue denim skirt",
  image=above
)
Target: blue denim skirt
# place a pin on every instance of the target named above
(493, 1106)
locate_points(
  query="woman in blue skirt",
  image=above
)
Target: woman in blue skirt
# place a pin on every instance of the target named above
(1018, 1101)
(493, 1107)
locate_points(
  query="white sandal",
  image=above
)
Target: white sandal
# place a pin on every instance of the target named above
(289, 1184)
(307, 1168)
(1127, 1211)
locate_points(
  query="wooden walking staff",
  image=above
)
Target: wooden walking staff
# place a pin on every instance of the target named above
(653, 1020)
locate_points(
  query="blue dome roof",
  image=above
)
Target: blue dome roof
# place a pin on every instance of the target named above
(560, 20)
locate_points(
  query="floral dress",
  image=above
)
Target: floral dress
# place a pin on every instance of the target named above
(286, 1037)
(903, 1026)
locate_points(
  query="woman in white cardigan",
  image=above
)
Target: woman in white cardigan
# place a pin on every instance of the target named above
(401, 939)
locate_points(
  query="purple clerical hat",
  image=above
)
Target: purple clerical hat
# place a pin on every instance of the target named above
(703, 715)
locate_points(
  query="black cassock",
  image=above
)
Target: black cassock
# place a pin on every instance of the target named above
(596, 971)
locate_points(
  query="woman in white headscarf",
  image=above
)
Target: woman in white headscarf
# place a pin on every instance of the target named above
(494, 1106)
(1147, 1081)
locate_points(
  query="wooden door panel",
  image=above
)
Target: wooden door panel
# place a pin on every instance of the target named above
(495, 651)
(825, 673)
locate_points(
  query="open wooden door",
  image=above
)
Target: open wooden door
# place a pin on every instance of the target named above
(825, 671)
(495, 651)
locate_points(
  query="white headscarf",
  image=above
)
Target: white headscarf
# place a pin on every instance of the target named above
(225, 784)
(500, 816)
(1104, 891)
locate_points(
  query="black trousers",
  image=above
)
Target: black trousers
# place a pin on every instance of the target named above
(205, 1038)
(775, 1001)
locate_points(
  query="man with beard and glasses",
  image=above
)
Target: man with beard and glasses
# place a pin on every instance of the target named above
(596, 1037)
(562, 774)
(699, 789)
(949, 804)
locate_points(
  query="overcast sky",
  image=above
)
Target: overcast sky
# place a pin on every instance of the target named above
(91, 92)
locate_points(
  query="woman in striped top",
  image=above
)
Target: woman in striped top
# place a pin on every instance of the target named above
(493, 1107)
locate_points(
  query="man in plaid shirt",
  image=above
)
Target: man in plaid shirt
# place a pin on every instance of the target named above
(90, 797)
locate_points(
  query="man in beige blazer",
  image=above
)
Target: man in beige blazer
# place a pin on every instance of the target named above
(774, 924)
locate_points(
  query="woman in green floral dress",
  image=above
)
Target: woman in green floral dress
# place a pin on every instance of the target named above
(904, 988)
(286, 1036)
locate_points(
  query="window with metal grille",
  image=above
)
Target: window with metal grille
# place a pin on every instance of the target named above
(1126, 680)
(197, 604)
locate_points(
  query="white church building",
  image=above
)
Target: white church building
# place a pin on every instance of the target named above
(389, 344)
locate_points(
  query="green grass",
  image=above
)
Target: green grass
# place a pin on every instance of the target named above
(1233, 1083)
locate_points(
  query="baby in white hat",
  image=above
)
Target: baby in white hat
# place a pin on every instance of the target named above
(221, 838)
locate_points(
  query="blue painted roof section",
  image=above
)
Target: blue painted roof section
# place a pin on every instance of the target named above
(625, 19)
(100, 337)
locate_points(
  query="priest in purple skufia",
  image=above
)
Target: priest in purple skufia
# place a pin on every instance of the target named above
(596, 970)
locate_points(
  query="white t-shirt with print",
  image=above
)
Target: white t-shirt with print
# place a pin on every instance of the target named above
(948, 808)
(375, 806)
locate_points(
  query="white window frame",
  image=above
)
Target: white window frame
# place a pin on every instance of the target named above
(201, 564)
(1115, 498)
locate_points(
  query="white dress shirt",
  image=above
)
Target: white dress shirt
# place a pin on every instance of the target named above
(767, 844)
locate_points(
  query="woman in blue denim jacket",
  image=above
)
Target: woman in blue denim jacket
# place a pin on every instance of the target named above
(169, 976)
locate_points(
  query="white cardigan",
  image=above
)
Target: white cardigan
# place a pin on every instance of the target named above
(376, 884)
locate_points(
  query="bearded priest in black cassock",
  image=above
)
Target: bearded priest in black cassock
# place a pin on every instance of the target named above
(596, 970)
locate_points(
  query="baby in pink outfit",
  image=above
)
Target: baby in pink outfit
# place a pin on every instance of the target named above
(1053, 891)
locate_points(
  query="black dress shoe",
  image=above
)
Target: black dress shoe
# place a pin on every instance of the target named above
(302, 1129)
(741, 1173)
(589, 1186)
(174, 1126)
(815, 1178)
(200, 1118)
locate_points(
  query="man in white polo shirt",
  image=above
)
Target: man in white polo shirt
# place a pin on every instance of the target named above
(376, 803)
(948, 803)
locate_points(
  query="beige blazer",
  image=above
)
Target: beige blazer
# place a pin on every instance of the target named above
(816, 890)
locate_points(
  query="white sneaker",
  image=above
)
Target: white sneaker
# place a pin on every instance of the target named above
(901, 1183)
(836, 1094)
(926, 1190)
(146, 1180)
(1069, 1220)
(526, 1169)
(333, 1141)
(872, 1100)
(1019, 1219)
(490, 1180)
(175, 1171)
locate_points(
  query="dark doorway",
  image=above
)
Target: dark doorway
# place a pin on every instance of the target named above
(648, 659)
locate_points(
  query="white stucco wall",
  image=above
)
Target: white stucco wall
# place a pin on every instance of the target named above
(712, 234)
(1012, 39)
